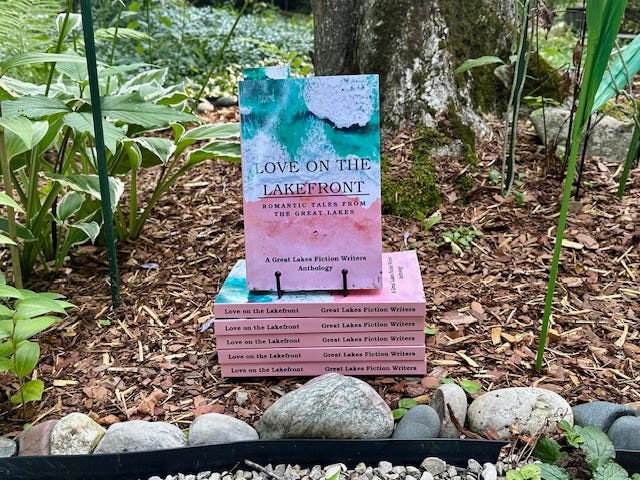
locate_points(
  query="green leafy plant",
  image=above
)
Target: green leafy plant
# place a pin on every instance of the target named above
(603, 21)
(459, 239)
(526, 472)
(596, 452)
(469, 386)
(404, 405)
(23, 314)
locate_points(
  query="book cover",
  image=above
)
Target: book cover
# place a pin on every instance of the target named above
(332, 339)
(402, 294)
(262, 326)
(311, 182)
(320, 354)
(312, 369)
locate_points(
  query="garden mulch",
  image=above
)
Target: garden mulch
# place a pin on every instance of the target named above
(153, 359)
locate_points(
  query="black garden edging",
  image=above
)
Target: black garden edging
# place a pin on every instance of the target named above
(133, 466)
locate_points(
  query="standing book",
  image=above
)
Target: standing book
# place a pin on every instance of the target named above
(402, 294)
(311, 182)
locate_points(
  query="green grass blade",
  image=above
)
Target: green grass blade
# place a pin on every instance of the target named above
(624, 67)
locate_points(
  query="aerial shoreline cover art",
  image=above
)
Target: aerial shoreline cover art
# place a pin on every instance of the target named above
(311, 182)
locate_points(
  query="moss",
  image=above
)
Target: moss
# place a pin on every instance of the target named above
(465, 183)
(454, 128)
(543, 80)
(413, 193)
(487, 92)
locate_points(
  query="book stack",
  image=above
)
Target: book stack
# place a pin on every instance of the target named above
(366, 332)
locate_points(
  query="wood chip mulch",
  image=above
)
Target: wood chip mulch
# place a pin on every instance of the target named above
(150, 360)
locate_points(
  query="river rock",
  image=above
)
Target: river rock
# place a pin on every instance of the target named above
(610, 138)
(624, 433)
(600, 414)
(212, 428)
(418, 423)
(453, 395)
(329, 406)
(75, 434)
(36, 440)
(139, 436)
(532, 409)
(8, 447)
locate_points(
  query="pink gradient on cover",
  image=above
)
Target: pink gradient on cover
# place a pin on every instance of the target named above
(312, 369)
(268, 236)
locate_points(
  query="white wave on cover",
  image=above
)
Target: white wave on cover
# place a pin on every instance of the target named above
(327, 97)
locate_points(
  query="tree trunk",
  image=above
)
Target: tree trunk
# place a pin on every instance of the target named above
(414, 45)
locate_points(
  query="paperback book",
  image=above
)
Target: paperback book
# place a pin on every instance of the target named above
(323, 325)
(333, 339)
(311, 182)
(321, 354)
(415, 367)
(401, 295)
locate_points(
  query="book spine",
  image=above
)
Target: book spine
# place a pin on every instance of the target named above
(310, 309)
(332, 339)
(416, 367)
(320, 354)
(261, 326)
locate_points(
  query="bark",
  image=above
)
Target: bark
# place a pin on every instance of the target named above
(414, 45)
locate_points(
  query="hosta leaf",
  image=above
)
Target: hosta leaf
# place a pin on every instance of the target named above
(74, 71)
(33, 106)
(89, 184)
(155, 76)
(161, 149)
(83, 122)
(221, 150)
(21, 231)
(4, 240)
(22, 134)
(69, 204)
(35, 306)
(26, 328)
(132, 108)
(5, 312)
(7, 291)
(8, 201)
(5, 364)
(74, 20)
(26, 358)
(23, 59)
(89, 229)
(31, 392)
(597, 446)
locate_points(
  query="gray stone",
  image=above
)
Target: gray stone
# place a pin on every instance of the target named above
(624, 433)
(599, 414)
(8, 447)
(75, 434)
(36, 440)
(610, 138)
(426, 476)
(204, 106)
(533, 410)
(419, 422)
(434, 465)
(489, 472)
(139, 436)
(212, 428)
(330, 406)
(226, 101)
(453, 395)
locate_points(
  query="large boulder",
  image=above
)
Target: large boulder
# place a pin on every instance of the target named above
(140, 436)
(330, 406)
(530, 410)
(610, 138)
(75, 434)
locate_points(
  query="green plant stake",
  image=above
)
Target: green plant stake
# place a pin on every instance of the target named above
(87, 28)
(603, 22)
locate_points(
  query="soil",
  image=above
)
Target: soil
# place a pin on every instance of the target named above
(154, 358)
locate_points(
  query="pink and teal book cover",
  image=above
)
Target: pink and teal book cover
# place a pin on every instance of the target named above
(267, 326)
(322, 354)
(311, 182)
(401, 295)
(312, 369)
(339, 339)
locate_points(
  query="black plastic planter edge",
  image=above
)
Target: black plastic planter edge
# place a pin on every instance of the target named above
(141, 465)
(306, 453)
